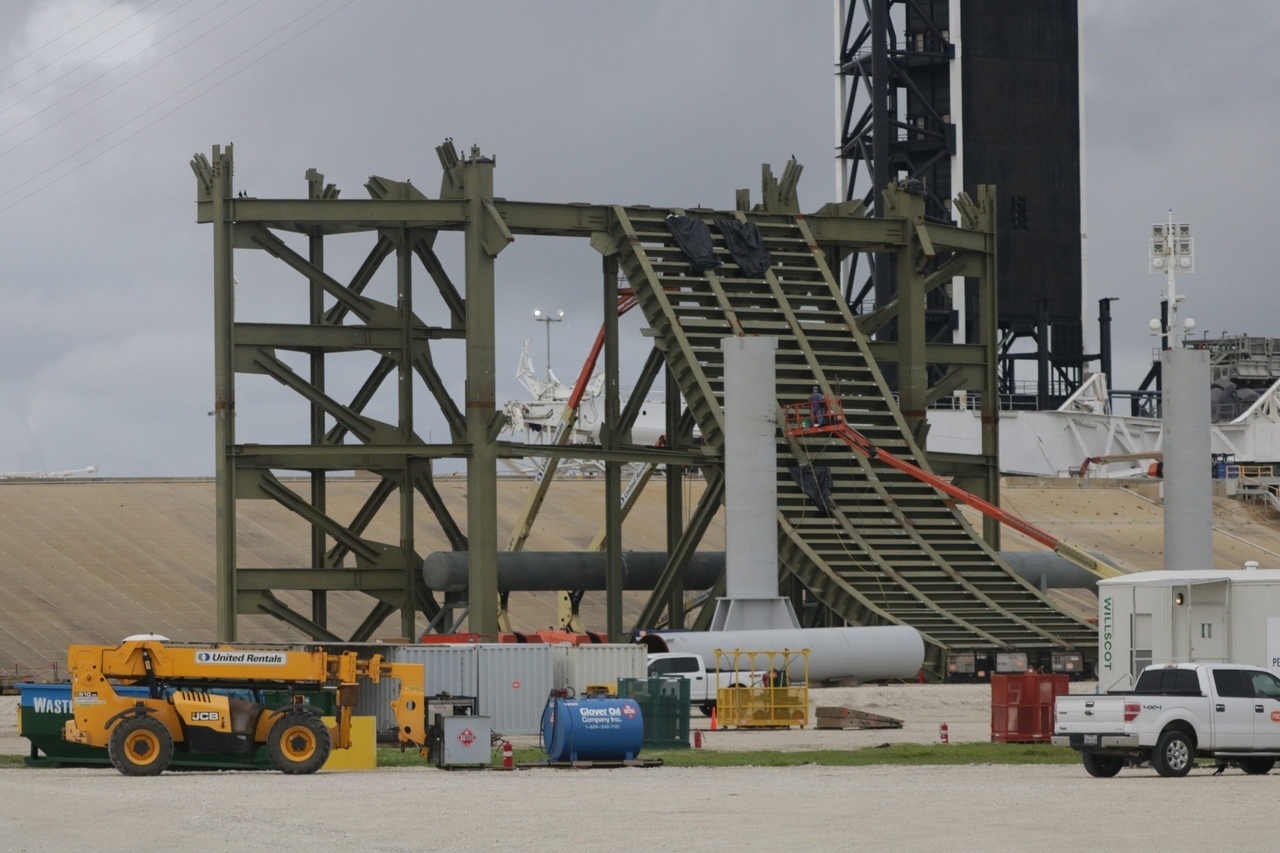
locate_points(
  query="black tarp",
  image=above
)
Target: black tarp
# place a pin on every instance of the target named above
(815, 482)
(694, 239)
(743, 241)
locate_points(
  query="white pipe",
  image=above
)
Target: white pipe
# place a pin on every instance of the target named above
(867, 654)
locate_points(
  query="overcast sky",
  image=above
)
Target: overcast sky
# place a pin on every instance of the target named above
(106, 332)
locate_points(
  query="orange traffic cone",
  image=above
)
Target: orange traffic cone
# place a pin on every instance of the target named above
(713, 718)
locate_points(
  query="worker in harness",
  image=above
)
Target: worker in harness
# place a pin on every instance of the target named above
(818, 407)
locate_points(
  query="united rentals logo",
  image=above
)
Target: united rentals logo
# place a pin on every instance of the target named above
(245, 657)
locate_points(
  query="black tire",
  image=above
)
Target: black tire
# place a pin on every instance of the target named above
(140, 746)
(1256, 766)
(299, 743)
(1174, 754)
(1102, 766)
(706, 708)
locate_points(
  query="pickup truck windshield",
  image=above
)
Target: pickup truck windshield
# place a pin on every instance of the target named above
(1265, 685)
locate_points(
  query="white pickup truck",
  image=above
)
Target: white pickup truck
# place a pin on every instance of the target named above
(703, 683)
(1175, 714)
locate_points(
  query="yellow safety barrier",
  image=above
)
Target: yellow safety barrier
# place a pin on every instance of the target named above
(765, 695)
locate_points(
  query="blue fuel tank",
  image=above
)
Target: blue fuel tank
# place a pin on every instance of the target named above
(592, 729)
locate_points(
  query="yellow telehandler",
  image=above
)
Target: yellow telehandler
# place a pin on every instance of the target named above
(206, 698)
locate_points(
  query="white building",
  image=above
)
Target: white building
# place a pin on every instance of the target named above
(1208, 616)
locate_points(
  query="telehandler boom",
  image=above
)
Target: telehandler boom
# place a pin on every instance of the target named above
(206, 698)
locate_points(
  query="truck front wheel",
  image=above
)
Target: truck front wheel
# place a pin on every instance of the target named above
(1102, 766)
(706, 708)
(1257, 766)
(1173, 755)
(140, 746)
(298, 742)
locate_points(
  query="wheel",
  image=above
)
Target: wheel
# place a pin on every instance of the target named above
(1102, 766)
(140, 746)
(298, 742)
(706, 708)
(1173, 755)
(1256, 766)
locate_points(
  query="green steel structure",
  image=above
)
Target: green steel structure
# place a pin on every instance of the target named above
(894, 551)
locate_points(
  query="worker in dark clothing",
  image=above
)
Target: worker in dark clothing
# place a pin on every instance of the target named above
(818, 407)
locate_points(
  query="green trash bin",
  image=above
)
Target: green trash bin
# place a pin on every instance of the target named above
(664, 704)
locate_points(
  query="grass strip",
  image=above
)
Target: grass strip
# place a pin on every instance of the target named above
(905, 754)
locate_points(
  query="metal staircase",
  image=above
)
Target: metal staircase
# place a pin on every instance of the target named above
(894, 550)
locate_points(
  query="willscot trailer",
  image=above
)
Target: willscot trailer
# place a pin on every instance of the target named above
(1201, 616)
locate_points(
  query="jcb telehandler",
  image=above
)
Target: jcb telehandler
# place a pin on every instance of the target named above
(202, 699)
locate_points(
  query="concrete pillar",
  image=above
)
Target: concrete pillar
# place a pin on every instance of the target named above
(1188, 496)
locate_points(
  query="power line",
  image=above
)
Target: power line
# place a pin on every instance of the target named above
(77, 47)
(55, 80)
(124, 82)
(162, 117)
(88, 20)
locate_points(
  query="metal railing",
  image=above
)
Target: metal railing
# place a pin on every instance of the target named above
(765, 696)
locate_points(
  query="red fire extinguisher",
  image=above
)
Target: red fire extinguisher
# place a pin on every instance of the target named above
(942, 732)
(508, 757)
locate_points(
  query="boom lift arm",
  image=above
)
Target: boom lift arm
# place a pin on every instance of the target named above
(826, 417)
(1157, 455)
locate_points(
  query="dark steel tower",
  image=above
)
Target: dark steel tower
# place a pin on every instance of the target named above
(955, 95)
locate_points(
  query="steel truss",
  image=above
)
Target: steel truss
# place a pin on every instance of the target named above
(403, 224)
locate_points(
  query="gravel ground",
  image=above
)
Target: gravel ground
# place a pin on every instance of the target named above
(972, 808)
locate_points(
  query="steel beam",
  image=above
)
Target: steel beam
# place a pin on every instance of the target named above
(224, 404)
(481, 247)
(609, 439)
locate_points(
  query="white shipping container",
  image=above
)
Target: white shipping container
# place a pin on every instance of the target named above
(447, 668)
(601, 663)
(1208, 616)
(450, 667)
(514, 680)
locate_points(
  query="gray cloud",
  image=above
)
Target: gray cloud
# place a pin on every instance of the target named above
(107, 336)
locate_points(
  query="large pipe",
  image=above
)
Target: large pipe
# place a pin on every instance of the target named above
(547, 571)
(867, 654)
(1104, 339)
(1047, 570)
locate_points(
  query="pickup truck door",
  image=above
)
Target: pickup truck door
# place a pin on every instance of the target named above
(691, 668)
(1266, 710)
(1232, 712)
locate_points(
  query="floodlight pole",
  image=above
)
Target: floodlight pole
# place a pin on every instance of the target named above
(548, 318)
(1171, 249)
